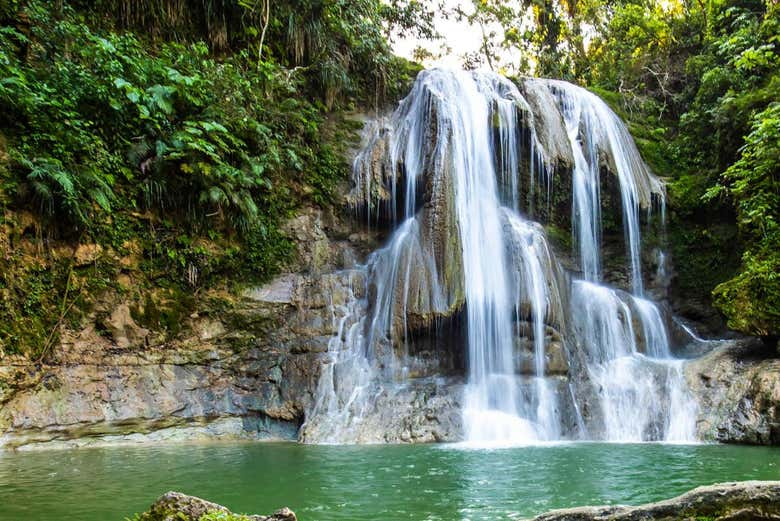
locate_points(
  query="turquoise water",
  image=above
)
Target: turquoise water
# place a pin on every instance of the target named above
(344, 483)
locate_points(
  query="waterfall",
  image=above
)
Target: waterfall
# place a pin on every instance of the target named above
(586, 197)
(508, 156)
(346, 377)
(536, 284)
(630, 392)
(642, 396)
(455, 173)
(590, 121)
(491, 402)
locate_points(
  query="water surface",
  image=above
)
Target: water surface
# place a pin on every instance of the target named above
(361, 483)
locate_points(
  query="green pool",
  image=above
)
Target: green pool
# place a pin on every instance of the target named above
(365, 482)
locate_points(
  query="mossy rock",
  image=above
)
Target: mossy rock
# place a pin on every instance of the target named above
(175, 506)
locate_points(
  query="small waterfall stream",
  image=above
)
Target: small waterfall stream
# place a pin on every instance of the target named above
(590, 120)
(491, 401)
(447, 173)
(532, 255)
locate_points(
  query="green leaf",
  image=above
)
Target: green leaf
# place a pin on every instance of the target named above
(161, 96)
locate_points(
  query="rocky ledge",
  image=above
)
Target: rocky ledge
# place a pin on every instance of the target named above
(737, 387)
(747, 500)
(175, 506)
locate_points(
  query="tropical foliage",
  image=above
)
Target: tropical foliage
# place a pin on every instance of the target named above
(151, 126)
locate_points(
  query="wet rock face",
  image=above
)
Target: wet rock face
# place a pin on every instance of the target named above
(175, 506)
(737, 387)
(528, 247)
(425, 410)
(556, 358)
(747, 500)
(546, 118)
(437, 350)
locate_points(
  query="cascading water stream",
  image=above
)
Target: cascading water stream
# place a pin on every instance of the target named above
(641, 396)
(586, 197)
(589, 120)
(629, 399)
(452, 160)
(532, 287)
(491, 395)
(346, 376)
(508, 156)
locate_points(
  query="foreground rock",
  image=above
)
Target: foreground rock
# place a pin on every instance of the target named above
(175, 506)
(748, 500)
(737, 387)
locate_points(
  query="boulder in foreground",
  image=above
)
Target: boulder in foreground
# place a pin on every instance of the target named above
(741, 501)
(175, 506)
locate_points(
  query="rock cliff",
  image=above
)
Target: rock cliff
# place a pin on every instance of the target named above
(244, 366)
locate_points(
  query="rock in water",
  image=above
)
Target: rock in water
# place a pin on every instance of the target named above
(175, 506)
(746, 500)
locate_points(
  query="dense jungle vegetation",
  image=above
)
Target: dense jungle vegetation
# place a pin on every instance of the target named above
(178, 135)
(172, 135)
